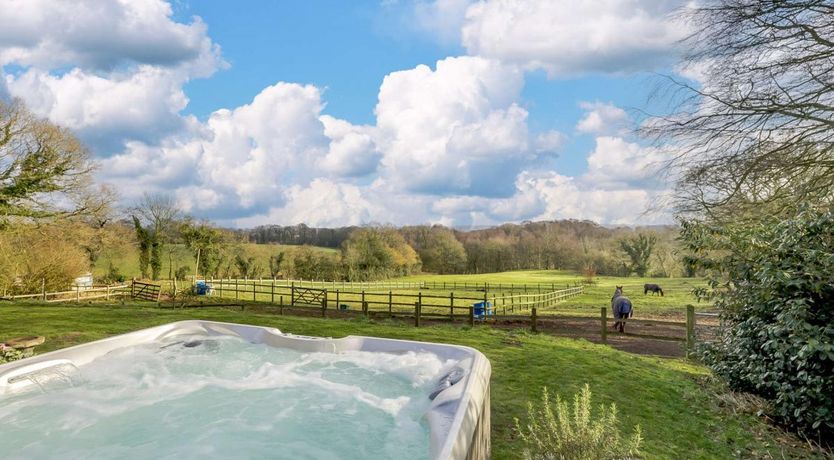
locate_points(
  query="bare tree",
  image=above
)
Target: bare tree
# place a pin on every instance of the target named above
(45, 171)
(759, 129)
(157, 210)
(158, 213)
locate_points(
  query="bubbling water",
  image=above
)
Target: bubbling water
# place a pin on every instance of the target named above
(198, 397)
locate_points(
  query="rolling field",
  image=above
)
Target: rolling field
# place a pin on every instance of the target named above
(682, 413)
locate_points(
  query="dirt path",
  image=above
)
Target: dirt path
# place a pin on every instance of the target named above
(664, 340)
(667, 340)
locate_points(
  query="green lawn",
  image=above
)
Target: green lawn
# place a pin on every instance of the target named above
(666, 397)
(516, 277)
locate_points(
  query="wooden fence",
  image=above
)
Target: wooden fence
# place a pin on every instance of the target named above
(453, 306)
(527, 288)
(145, 291)
(676, 331)
(135, 290)
(77, 294)
(419, 306)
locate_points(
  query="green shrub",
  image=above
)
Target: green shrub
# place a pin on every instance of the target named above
(114, 275)
(557, 431)
(8, 354)
(774, 283)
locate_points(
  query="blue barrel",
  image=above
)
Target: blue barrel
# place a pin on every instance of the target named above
(202, 288)
(482, 309)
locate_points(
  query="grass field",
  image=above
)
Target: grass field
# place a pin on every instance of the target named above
(677, 291)
(670, 399)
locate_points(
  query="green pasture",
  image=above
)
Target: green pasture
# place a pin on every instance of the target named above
(451, 288)
(673, 401)
(677, 291)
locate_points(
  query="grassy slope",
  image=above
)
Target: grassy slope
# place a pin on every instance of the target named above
(678, 418)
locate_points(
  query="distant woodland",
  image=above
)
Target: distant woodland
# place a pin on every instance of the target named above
(582, 246)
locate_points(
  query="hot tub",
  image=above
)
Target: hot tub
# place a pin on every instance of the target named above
(206, 389)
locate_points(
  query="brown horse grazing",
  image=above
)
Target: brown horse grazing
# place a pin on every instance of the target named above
(653, 288)
(622, 308)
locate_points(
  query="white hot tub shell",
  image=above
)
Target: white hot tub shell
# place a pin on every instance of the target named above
(458, 417)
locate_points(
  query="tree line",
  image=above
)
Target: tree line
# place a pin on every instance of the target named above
(582, 246)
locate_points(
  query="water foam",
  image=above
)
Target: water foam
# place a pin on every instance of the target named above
(226, 397)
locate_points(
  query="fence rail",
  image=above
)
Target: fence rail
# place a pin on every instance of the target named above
(453, 305)
(77, 294)
(527, 288)
(135, 289)
(145, 291)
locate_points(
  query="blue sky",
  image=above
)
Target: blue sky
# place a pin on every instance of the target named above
(458, 112)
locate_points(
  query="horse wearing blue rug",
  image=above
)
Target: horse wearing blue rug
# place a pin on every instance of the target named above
(621, 307)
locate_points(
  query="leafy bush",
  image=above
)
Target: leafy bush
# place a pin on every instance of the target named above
(774, 283)
(8, 354)
(36, 257)
(113, 275)
(554, 431)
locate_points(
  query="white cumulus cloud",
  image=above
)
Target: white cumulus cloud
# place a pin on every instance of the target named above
(111, 70)
(106, 111)
(616, 162)
(322, 203)
(572, 37)
(602, 118)
(102, 34)
(455, 129)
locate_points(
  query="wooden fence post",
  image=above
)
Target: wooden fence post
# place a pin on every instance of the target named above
(237, 296)
(324, 305)
(254, 295)
(292, 293)
(417, 314)
(106, 293)
(281, 305)
(338, 305)
(690, 330)
(390, 303)
(452, 306)
(133, 288)
(603, 332)
(471, 316)
(77, 293)
(365, 308)
(534, 320)
(272, 292)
